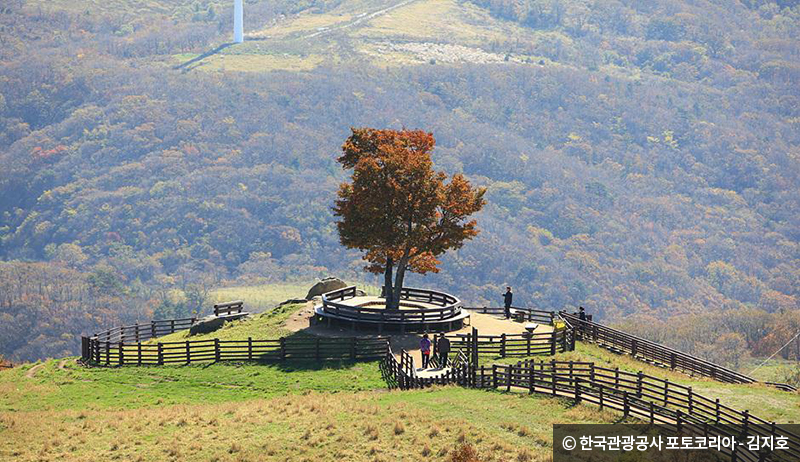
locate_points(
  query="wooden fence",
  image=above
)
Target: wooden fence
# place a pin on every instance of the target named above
(649, 398)
(107, 353)
(448, 308)
(6, 365)
(527, 314)
(517, 345)
(657, 353)
(403, 375)
(142, 332)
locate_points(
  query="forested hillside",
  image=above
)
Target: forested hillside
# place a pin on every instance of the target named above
(642, 157)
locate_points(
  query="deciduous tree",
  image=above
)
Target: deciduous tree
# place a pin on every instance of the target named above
(397, 209)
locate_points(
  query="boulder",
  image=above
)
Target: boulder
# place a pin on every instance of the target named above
(211, 322)
(206, 325)
(324, 286)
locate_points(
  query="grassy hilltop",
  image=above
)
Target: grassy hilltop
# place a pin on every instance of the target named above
(58, 410)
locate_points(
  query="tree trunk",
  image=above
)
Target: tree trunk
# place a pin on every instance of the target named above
(388, 293)
(398, 282)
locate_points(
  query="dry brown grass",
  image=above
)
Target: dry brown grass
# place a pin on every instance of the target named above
(441, 424)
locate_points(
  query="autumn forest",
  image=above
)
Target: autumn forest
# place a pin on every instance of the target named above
(641, 158)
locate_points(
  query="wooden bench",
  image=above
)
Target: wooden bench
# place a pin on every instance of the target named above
(232, 310)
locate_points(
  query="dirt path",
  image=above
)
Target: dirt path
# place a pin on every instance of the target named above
(31, 374)
(62, 365)
(363, 17)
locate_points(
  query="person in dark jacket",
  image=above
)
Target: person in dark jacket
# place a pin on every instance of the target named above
(581, 313)
(443, 347)
(508, 299)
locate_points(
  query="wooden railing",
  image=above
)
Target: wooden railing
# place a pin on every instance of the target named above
(6, 365)
(403, 375)
(650, 398)
(517, 345)
(107, 353)
(527, 314)
(141, 332)
(657, 353)
(450, 307)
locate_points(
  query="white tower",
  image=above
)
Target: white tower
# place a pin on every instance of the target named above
(238, 21)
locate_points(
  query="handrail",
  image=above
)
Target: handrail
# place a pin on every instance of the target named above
(449, 307)
(650, 397)
(655, 352)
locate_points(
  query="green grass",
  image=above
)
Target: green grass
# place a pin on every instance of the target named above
(77, 387)
(262, 326)
(261, 297)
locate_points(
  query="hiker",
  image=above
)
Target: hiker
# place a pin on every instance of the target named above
(425, 347)
(581, 313)
(507, 299)
(443, 347)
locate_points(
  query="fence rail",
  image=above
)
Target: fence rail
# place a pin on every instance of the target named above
(517, 345)
(448, 307)
(640, 395)
(527, 314)
(659, 354)
(107, 353)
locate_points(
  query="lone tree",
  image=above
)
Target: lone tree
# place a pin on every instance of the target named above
(397, 209)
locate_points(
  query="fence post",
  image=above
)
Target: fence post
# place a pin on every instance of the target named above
(509, 377)
(601, 397)
(616, 377)
(639, 379)
(188, 353)
(494, 376)
(666, 391)
(716, 410)
(137, 331)
(217, 352)
(317, 349)
(571, 373)
(121, 354)
(353, 348)
(680, 414)
(691, 405)
(171, 326)
(108, 352)
(503, 345)
(652, 413)
(531, 383)
(283, 349)
(139, 353)
(672, 361)
(625, 404)
(250, 348)
(553, 343)
(528, 337)
(160, 354)
(152, 329)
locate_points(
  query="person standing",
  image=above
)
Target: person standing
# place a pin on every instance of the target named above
(508, 299)
(443, 347)
(425, 348)
(581, 313)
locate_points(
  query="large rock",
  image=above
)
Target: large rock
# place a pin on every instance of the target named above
(324, 286)
(206, 325)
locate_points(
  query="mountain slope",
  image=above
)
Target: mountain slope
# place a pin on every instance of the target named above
(641, 157)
